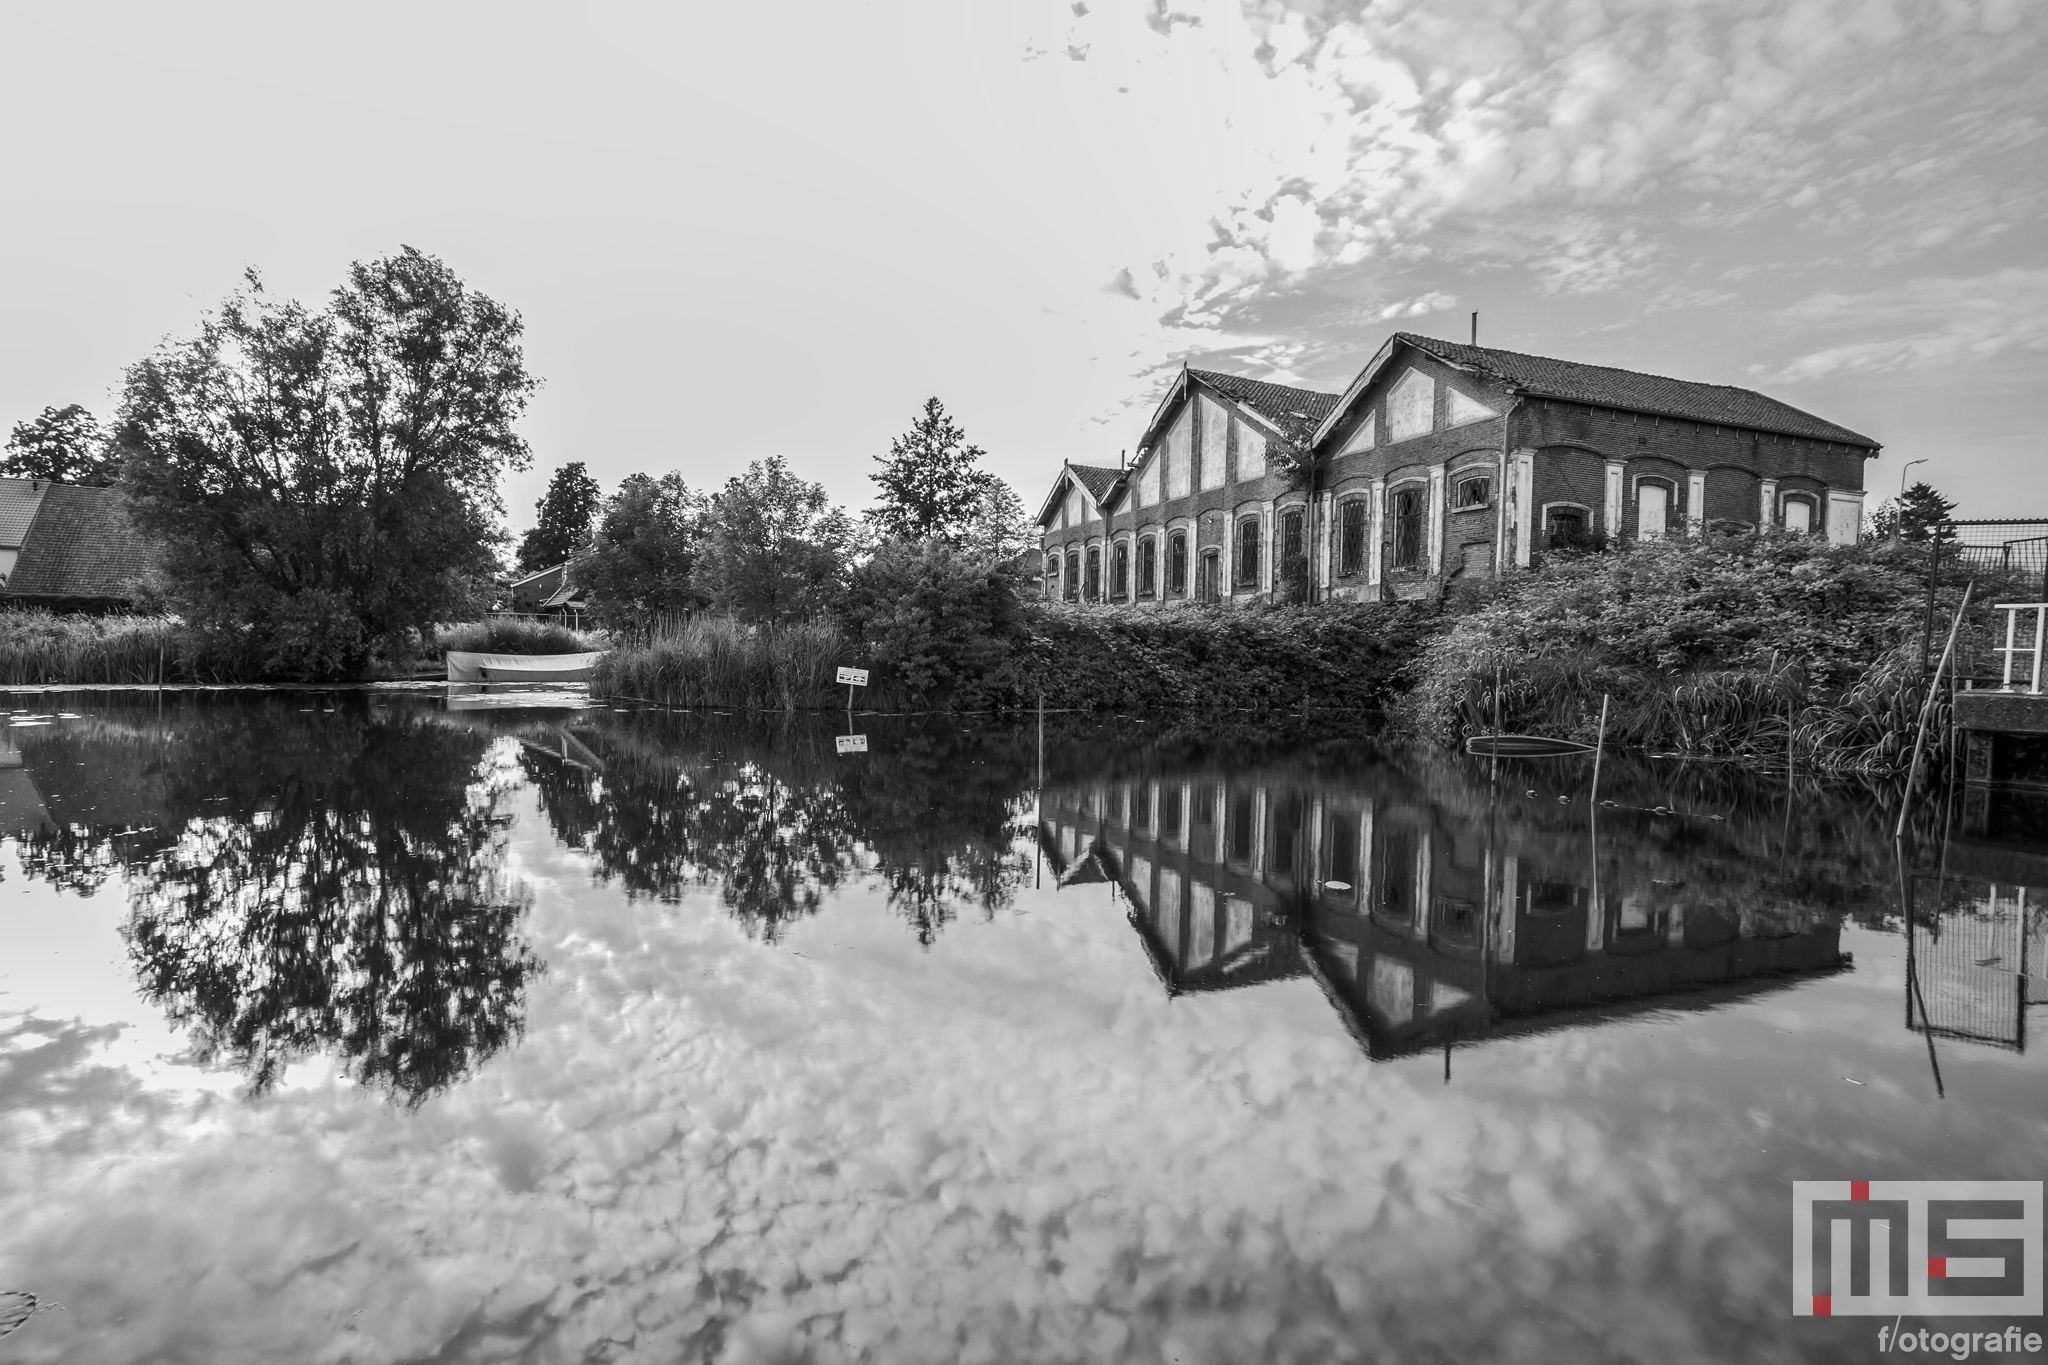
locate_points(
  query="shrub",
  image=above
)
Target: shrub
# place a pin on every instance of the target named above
(1719, 645)
(938, 625)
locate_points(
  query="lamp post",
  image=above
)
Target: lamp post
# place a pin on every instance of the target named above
(1899, 507)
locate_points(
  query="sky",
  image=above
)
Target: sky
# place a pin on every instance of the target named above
(735, 231)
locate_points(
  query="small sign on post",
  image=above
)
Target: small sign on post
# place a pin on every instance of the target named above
(852, 744)
(853, 677)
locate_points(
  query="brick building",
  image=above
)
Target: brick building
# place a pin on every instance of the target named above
(1440, 461)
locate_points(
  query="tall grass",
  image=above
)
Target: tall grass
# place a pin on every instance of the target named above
(717, 661)
(513, 635)
(42, 648)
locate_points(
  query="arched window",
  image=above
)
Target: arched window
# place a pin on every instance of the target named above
(1212, 576)
(1247, 567)
(1120, 570)
(1052, 574)
(1407, 516)
(1351, 540)
(1148, 566)
(1567, 526)
(1177, 563)
(1799, 514)
(1093, 583)
(1073, 575)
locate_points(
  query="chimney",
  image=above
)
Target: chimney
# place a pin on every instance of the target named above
(1475, 329)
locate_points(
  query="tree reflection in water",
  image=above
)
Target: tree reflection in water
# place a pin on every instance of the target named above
(329, 883)
(770, 814)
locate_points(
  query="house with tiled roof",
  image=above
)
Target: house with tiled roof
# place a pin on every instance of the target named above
(1440, 461)
(70, 547)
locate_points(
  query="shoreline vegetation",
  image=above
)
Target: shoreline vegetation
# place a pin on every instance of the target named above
(1752, 649)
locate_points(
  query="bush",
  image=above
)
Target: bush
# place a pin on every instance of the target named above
(512, 635)
(40, 648)
(1723, 645)
(939, 626)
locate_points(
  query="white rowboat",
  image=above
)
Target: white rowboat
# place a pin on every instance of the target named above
(467, 667)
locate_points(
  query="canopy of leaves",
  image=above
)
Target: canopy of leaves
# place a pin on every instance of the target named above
(323, 479)
(566, 513)
(774, 548)
(62, 445)
(641, 560)
(932, 489)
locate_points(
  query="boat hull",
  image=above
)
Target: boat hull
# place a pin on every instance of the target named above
(464, 666)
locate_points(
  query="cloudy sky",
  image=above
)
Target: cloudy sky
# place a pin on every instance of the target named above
(741, 229)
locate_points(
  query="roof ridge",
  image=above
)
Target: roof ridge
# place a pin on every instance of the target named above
(1583, 364)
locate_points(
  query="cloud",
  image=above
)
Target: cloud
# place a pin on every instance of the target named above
(1436, 301)
(1935, 321)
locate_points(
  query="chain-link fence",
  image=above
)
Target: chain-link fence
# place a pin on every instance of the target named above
(2018, 547)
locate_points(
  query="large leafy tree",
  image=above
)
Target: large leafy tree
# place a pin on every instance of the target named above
(566, 513)
(774, 547)
(63, 445)
(933, 489)
(324, 478)
(642, 559)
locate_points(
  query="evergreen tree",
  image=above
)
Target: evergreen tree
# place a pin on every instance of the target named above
(933, 490)
(63, 445)
(1921, 514)
(567, 512)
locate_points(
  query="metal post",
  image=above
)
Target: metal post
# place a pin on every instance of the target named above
(2012, 625)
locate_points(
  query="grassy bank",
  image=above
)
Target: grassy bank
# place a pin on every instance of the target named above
(511, 635)
(38, 648)
(716, 661)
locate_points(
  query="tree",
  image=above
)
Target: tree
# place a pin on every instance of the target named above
(932, 489)
(644, 553)
(566, 512)
(774, 547)
(63, 445)
(1920, 514)
(323, 479)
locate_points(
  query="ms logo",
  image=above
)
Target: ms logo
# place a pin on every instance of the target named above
(1948, 1248)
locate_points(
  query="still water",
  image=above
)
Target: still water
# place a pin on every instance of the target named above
(399, 1027)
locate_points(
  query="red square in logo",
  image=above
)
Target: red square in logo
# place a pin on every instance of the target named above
(1859, 1189)
(1937, 1267)
(1821, 1306)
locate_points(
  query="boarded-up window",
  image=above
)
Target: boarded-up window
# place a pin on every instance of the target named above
(1407, 516)
(1176, 456)
(1247, 562)
(1251, 453)
(1798, 515)
(1073, 575)
(1411, 407)
(1148, 566)
(1052, 574)
(1177, 563)
(1351, 536)
(1120, 570)
(1215, 431)
(1094, 581)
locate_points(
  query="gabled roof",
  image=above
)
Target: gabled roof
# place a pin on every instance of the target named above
(1100, 482)
(538, 573)
(1296, 412)
(82, 545)
(19, 499)
(1631, 391)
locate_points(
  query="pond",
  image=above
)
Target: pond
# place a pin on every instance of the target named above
(398, 1026)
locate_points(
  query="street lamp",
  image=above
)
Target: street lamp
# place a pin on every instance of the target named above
(1902, 473)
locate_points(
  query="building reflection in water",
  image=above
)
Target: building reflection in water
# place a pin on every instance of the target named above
(1428, 914)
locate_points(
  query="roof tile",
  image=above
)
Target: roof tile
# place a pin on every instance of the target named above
(1297, 412)
(81, 544)
(1605, 386)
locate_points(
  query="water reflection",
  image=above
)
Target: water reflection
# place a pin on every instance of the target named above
(1977, 928)
(300, 881)
(1434, 906)
(768, 814)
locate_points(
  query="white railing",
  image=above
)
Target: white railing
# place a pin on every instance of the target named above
(2014, 652)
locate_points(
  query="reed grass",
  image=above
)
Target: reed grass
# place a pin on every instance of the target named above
(513, 635)
(42, 648)
(718, 661)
